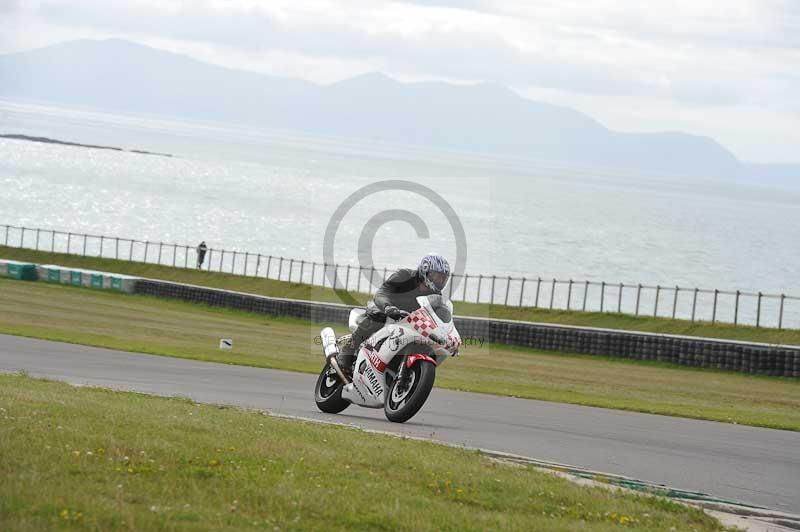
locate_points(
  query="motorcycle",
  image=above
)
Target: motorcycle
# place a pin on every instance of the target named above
(396, 367)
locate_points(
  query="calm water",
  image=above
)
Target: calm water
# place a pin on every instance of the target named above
(274, 193)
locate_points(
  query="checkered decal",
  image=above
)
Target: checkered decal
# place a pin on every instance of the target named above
(421, 321)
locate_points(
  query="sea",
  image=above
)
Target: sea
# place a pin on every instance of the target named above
(291, 194)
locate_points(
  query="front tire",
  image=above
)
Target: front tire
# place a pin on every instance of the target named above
(404, 399)
(328, 391)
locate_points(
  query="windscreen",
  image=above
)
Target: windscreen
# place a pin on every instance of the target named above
(440, 307)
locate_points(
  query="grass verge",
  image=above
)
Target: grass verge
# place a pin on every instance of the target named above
(174, 328)
(298, 291)
(95, 459)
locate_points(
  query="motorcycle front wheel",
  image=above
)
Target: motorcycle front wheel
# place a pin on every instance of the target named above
(406, 396)
(328, 392)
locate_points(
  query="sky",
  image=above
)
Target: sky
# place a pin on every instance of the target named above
(729, 69)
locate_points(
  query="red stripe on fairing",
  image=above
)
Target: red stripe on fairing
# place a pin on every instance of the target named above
(413, 359)
(376, 361)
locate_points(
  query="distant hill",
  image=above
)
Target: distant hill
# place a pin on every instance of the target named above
(485, 117)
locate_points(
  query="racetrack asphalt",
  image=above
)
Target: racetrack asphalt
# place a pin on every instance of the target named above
(747, 464)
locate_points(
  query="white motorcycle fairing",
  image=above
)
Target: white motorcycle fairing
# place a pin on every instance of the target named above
(369, 375)
(423, 327)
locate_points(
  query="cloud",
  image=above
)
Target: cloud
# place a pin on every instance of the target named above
(551, 46)
(696, 53)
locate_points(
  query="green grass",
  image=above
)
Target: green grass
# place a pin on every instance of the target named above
(88, 458)
(175, 328)
(305, 292)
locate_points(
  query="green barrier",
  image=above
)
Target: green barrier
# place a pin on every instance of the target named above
(97, 280)
(53, 275)
(75, 278)
(116, 283)
(21, 271)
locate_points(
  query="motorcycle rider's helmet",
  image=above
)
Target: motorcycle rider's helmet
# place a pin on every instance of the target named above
(434, 271)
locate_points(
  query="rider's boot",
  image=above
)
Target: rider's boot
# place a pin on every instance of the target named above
(346, 358)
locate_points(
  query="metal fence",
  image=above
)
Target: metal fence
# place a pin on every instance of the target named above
(676, 302)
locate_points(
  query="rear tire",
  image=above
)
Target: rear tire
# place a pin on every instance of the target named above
(404, 399)
(328, 391)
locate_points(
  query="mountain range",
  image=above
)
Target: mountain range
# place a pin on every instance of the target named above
(121, 75)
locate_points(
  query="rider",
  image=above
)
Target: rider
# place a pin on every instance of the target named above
(396, 298)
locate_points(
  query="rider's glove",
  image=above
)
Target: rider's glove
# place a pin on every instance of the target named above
(394, 312)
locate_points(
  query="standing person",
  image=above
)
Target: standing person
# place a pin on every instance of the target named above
(201, 254)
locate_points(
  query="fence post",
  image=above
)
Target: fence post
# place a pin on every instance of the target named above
(291, 269)
(675, 302)
(480, 281)
(585, 295)
(130, 252)
(347, 279)
(85, 238)
(160, 247)
(655, 306)
(538, 286)
(185, 257)
(569, 294)
(758, 311)
(102, 243)
(269, 264)
(714, 310)
(694, 303)
(464, 295)
(37, 239)
(302, 270)
(736, 309)
(208, 262)
(233, 263)
(221, 258)
(619, 299)
(638, 297)
(780, 316)
(602, 296)
(146, 246)
(69, 240)
(371, 277)
(508, 287)
(116, 247)
(313, 271)
(6, 242)
(452, 282)
(53, 241)
(361, 271)
(258, 263)
(280, 268)
(494, 278)
(552, 293)
(246, 262)
(521, 291)
(22, 238)
(335, 276)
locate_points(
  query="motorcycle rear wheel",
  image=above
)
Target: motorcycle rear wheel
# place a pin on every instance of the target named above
(328, 392)
(404, 399)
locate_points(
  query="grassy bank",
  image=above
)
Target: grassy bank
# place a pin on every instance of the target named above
(298, 291)
(174, 328)
(94, 459)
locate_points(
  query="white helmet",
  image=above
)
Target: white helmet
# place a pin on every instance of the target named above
(434, 271)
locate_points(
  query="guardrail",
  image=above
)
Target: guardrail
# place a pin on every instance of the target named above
(744, 357)
(696, 304)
